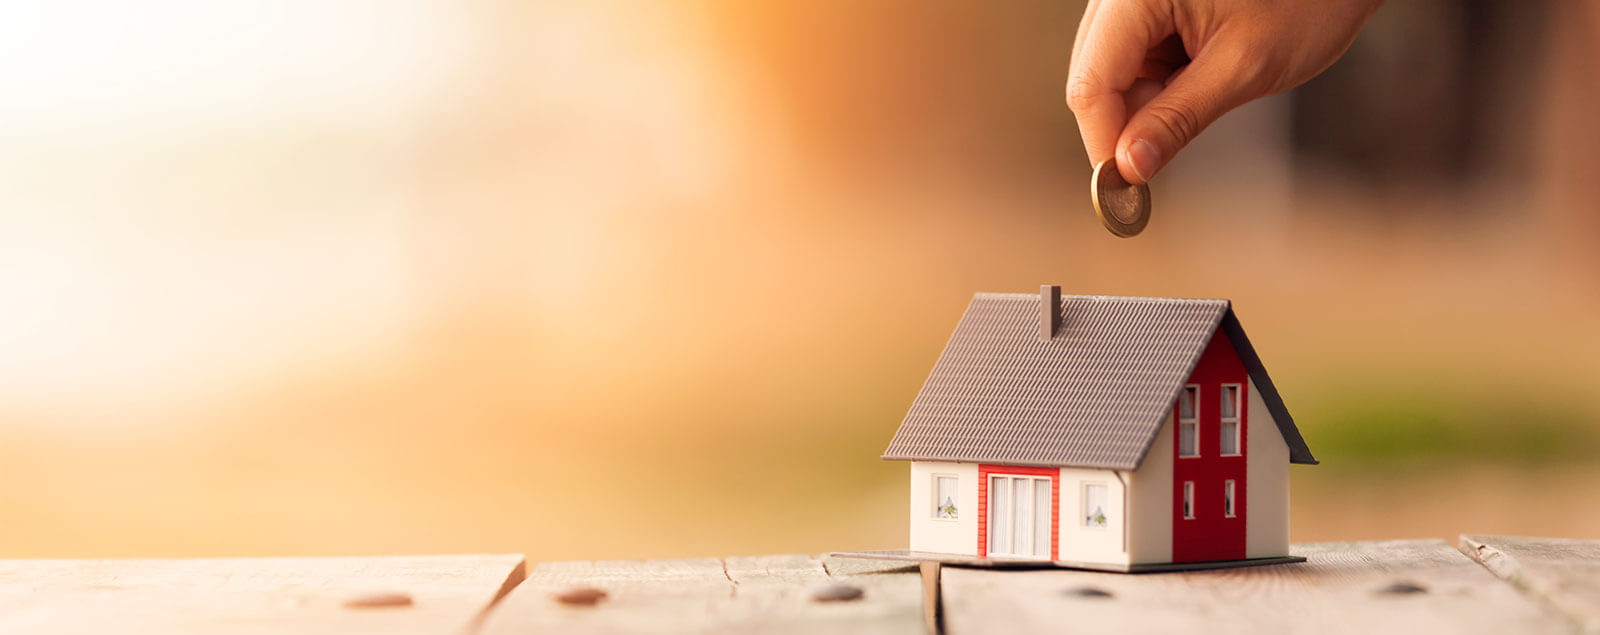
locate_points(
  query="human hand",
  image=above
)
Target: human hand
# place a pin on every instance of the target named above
(1148, 75)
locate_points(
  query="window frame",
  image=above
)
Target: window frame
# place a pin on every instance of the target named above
(933, 487)
(1018, 520)
(999, 519)
(1230, 506)
(1193, 420)
(1083, 506)
(1237, 420)
(1188, 500)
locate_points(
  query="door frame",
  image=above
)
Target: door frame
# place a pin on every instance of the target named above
(985, 472)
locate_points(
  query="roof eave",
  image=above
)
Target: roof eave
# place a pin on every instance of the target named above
(1299, 452)
(945, 459)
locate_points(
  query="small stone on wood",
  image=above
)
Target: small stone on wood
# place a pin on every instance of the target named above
(379, 600)
(580, 596)
(836, 592)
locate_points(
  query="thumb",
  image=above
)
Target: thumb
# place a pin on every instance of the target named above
(1208, 87)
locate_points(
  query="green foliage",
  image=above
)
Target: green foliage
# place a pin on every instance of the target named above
(1396, 426)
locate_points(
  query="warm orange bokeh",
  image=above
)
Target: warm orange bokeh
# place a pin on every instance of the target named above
(647, 280)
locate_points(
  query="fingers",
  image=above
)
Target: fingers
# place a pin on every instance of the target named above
(1078, 65)
(1083, 29)
(1169, 52)
(1109, 57)
(1214, 83)
(1142, 92)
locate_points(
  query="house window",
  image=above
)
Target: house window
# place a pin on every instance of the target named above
(944, 497)
(1189, 422)
(1021, 537)
(1229, 404)
(1188, 500)
(999, 515)
(1227, 498)
(1094, 505)
(1041, 517)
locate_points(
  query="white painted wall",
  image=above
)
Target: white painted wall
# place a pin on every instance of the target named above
(1140, 532)
(959, 536)
(1150, 499)
(1091, 544)
(1266, 483)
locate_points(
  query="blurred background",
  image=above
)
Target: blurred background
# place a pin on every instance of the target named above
(630, 279)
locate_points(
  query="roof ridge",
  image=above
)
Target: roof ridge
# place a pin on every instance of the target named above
(1080, 296)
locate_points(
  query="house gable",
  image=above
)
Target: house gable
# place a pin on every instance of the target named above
(1298, 451)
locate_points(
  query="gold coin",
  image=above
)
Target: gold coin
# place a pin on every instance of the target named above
(1124, 209)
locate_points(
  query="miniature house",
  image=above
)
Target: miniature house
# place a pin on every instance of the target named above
(1106, 432)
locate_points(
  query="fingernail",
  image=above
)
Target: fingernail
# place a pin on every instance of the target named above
(1144, 159)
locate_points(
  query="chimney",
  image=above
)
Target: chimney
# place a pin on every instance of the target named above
(1049, 310)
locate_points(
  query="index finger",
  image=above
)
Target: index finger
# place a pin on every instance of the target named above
(1112, 51)
(1083, 28)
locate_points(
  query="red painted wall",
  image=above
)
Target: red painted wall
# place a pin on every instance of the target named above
(983, 503)
(1210, 535)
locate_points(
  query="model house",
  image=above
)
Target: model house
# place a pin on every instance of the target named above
(1109, 432)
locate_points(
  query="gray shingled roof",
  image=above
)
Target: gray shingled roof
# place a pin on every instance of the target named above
(1095, 395)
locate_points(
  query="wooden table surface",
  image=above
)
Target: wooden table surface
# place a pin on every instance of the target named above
(1490, 584)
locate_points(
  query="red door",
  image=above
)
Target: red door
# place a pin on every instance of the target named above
(1208, 464)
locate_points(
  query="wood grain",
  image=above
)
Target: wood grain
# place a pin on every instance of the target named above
(766, 594)
(1563, 573)
(1370, 587)
(251, 595)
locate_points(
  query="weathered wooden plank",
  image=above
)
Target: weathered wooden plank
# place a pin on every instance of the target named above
(1371, 587)
(767, 594)
(252, 595)
(1561, 572)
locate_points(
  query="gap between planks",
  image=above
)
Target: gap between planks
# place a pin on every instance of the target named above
(1344, 587)
(735, 594)
(1362, 587)
(1562, 574)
